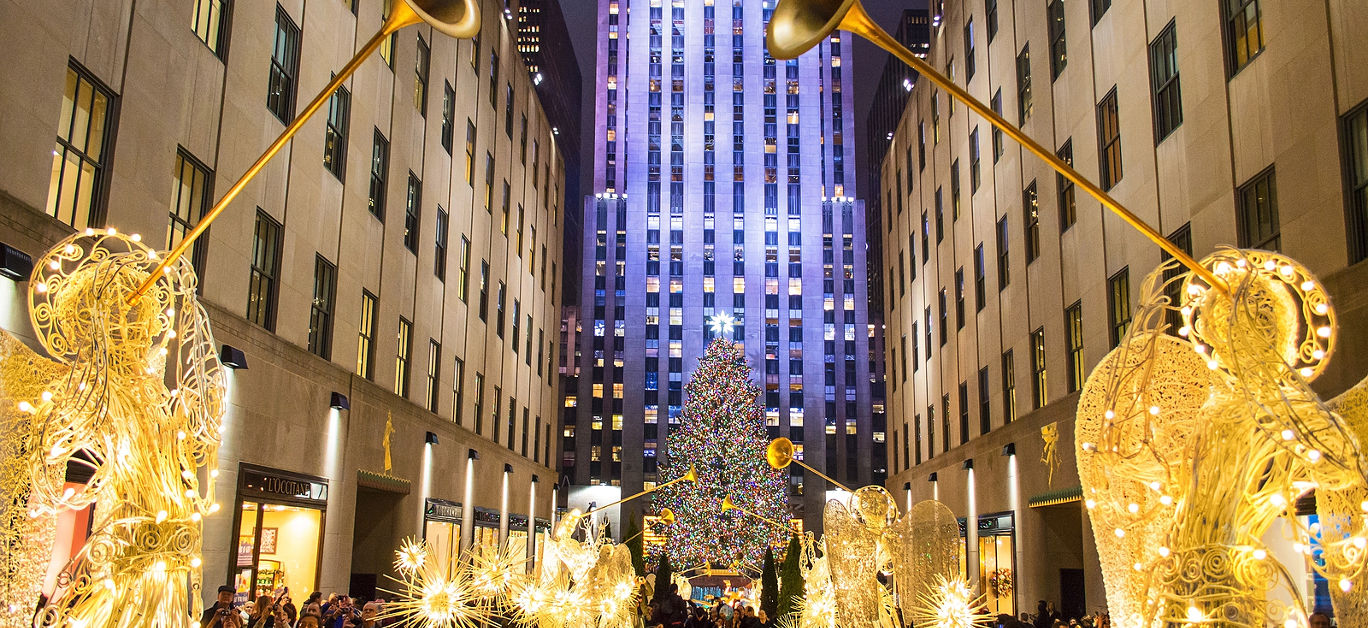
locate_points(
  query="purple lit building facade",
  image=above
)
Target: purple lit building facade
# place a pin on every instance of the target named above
(723, 182)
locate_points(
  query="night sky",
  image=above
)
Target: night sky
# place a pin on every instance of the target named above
(581, 15)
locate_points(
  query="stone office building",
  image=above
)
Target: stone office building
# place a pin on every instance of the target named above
(1239, 123)
(387, 287)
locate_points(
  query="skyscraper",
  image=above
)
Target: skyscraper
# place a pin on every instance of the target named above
(687, 148)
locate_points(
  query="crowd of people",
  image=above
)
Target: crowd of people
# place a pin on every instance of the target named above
(672, 611)
(267, 611)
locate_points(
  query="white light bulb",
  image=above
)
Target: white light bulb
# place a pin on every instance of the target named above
(1120, 533)
(1164, 551)
(1260, 554)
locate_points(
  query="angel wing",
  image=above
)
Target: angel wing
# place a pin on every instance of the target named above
(925, 545)
(25, 542)
(852, 556)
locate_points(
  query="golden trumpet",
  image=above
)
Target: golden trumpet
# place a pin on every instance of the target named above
(728, 505)
(667, 516)
(457, 18)
(691, 476)
(798, 25)
(779, 454)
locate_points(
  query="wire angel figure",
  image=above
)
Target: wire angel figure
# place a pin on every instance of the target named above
(133, 392)
(1191, 448)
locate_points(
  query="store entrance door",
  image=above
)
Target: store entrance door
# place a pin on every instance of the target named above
(278, 549)
(279, 540)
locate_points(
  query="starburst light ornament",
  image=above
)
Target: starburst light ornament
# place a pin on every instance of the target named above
(722, 324)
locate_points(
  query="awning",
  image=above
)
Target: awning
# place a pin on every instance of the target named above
(1055, 498)
(382, 482)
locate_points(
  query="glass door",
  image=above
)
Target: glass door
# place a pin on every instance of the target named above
(278, 549)
(996, 573)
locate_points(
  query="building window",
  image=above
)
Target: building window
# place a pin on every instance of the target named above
(1257, 213)
(1008, 387)
(484, 290)
(264, 283)
(1356, 150)
(959, 298)
(985, 404)
(507, 201)
(379, 174)
(365, 341)
(969, 49)
(434, 373)
(189, 200)
(508, 110)
(411, 208)
(499, 310)
(996, 104)
(1059, 49)
(1003, 266)
(1182, 238)
(76, 190)
(209, 20)
(915, 354)
(517, 323)
(458, 392)
(1168, 102)
(927, 316)
(449, 121)
(1109, 140)
(493, 79)
(1118, 301)
(1068, 203)
(980, 280)
(964, 412)
(1073, 332)
(478, 408)
(1030, 204)
(420, 77)
(1244, 32)
(470, 153)
(992, 9)
(280, 92)
(335, 140)
(943, 319)
(497, 400)
(321, 309)
(1098, 8)
(387, 46)
(1039, 389)
(926, 237)
(463, 273)
(974, 161)
(440, 257)
(1024, 99)
(402, 356)
(489, 182)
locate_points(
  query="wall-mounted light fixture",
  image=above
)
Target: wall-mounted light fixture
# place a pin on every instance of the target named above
(968, 464)
(535, 479)
(472, 454)
(232, 357)
(430, 438)
(508, 468)
(907, 486)
(339, 401)
(933, 478)
(1009, 449)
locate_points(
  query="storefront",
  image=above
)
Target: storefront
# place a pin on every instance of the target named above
(996, 561)
(279, 532)
(486, 529)
(517, 535)
(442, 527)
(543, 530)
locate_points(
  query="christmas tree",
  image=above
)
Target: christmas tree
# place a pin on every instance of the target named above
(722, 433)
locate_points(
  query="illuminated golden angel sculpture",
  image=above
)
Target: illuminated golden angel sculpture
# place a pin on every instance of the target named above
(449, 591)
(133, 392)
(1193, 446)
(866, 538)
(588, 583)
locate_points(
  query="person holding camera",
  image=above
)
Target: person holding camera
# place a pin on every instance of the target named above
(222, 608)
